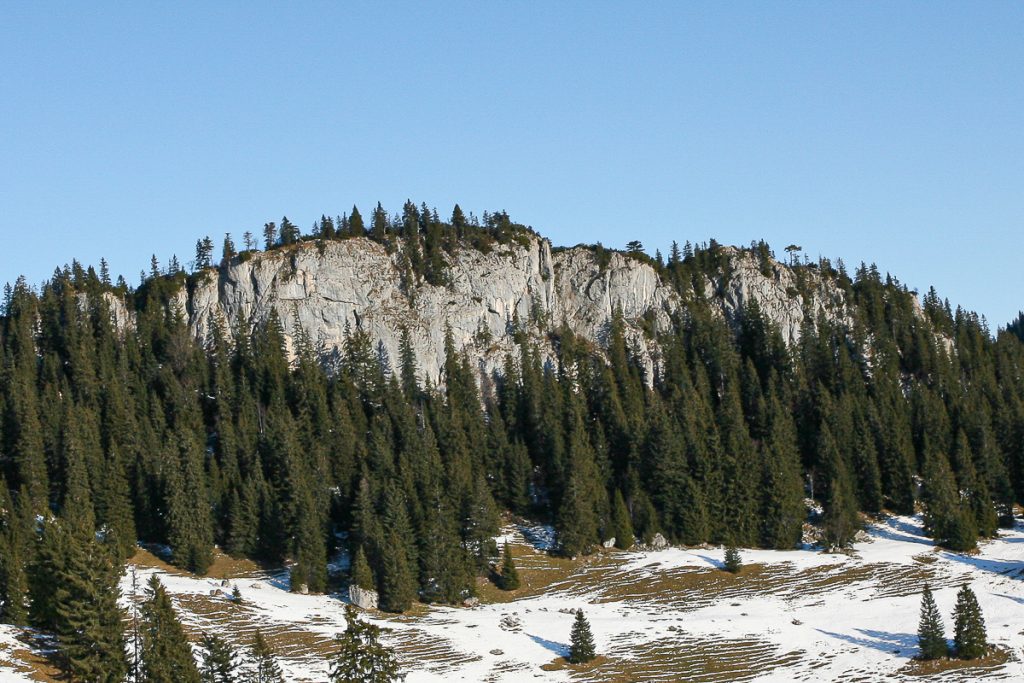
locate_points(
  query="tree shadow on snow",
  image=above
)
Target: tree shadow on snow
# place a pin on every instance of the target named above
(1010, 597)
(883, 641)
(715, 563)
(895, 529)
(280, 579)
(558, 648)
(1004, 567)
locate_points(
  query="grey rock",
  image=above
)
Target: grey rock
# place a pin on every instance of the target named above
(322, 290)
(362, 597)
(658, 542)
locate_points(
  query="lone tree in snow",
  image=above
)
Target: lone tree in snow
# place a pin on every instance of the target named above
(931, 634)
(509, 574)
(733, 562)
(361, 657)
(969, 636)
(581, 641)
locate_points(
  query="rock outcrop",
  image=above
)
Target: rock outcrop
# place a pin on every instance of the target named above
(363, 598)
(329, 288)
(781, 297)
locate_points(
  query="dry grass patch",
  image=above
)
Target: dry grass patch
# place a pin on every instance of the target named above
(563, 664)
(685, 659)
(972, 668)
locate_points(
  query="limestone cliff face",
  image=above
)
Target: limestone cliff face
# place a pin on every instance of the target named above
(325, 289)
(778, 293)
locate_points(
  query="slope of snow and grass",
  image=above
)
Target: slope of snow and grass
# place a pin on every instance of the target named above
(670, 615)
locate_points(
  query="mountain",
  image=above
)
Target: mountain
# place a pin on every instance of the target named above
(389, 393)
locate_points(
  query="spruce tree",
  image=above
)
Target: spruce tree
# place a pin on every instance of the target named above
(782, 508)
(969, 638)
(622, 524)
(74, 594)
(397, 581)
(362, 576)
(361, 657)
(581, 641)
(840, 520)
(218, 660)
(166, 655)
(946, 518)
(16, 522)
(733, 562)
(931, 637)
(262, 665)
(509, 577)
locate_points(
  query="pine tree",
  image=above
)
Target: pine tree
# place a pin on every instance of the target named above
(969, 638)
(361, 657)
(262, 665)
(509, 578)
(218, 663)
(362, 576)
(733, 562)
(166, 655)
(931, 637)
(581, 641)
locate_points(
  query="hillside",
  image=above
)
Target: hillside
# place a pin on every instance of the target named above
(391, 392)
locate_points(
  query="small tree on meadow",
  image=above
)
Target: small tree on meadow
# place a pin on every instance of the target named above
(509, 574)
(931, 635)
(969, 638)
(733, 561)
(581, 641)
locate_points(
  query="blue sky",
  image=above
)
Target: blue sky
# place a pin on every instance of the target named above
(884, 132)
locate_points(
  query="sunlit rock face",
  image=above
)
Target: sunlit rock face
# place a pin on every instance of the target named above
(328, 288)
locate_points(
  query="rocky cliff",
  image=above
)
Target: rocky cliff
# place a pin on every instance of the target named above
(327, 288)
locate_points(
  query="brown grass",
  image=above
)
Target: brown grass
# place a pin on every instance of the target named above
(996, 658)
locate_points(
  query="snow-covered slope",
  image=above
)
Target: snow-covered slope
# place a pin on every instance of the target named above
(670, 615)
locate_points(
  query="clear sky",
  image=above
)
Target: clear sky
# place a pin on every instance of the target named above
(890, 132)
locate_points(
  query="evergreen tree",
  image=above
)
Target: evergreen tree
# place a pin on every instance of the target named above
(783, 509)
(397, 581)
(190, 530)
(946, 518)
(355, 223)
(15, 532)
(733, 562)
(622, 524)
(74, 594)
(362, 576)
(969, 638)
(262, 665)
(361, 657)
(218, 660)
(166, 655)
(509, 577)
(840, 520)
(581, 641)
(931, 637)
